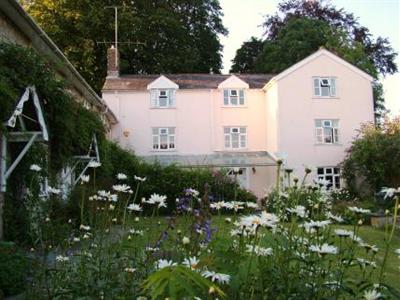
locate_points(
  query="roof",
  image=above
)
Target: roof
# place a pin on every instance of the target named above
(184, 81)
(320, 52)
(41, 42)
(218, 159)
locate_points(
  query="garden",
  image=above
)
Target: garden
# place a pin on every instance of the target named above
(118, 245)
(132, 230)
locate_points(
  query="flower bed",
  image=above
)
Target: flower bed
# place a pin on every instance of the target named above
(295, 249)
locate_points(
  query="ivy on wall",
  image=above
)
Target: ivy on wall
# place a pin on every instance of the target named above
(70, 125)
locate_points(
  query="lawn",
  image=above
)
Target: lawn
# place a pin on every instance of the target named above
(373, 236)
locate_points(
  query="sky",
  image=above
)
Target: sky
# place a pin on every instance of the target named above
(243, 19)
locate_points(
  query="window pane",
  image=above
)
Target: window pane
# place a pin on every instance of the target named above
(227, 141)
(235, 129)
(242, 129)
(330, 179)
(316, 87)
(336, 170)
(155, 142)
(328, 135)
(227, 130)
(328, 170)
(171, 130)
(234, 100)
(226, 97)
(234, 93)
(235, 140)
(241, 97)
(336, 135)
(162, 101)
(172, 142)
(155, 130)
(333, 87)
(337, 182)
(325, 91)
(320, 170)
(242, 141)
(318, 133)
(318, 123)
(163, 142)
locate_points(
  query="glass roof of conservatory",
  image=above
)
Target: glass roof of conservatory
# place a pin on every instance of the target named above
(219, 159)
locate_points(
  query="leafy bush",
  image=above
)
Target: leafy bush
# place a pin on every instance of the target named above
(374, 156)
(13, 269)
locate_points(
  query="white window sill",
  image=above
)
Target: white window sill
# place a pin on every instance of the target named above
(236, 149)
(326, 97)
(234, 106)
(168, 107)
(328, 144)
(163, 151)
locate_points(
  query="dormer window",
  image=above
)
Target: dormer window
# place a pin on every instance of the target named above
(162, 98)
(233, 97)
(324, 86)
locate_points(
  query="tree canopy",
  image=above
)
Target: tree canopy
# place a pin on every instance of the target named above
(155, 36)
(300, 27)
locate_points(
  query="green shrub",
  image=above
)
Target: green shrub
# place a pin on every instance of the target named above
(375, 157)
(13, 269)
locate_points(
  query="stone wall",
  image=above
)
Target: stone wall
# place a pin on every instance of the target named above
(9, 33)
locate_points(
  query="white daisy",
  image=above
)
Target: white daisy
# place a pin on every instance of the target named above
(163, 263)
(299, 210)
(54, 191)
(85, 178)
(372, 295)
(94, 164)
(35, 168)
(191, 262)
(61, 258)
(123, 188)
(358, 210)
(134, 207)
(121, 176)
(218, 277)
(323, 249)
(141, 179)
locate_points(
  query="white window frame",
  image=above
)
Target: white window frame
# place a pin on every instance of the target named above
(324, 82)
(157, 135)
(327, 131)
(229, 137)
(158, 96)
(326, 173)
(234, 97)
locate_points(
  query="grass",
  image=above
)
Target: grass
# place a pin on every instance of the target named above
(370, 235)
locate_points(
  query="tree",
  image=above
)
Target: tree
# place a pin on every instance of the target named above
(375, 156)
(302, 26)
(156, 36)
(246, 56)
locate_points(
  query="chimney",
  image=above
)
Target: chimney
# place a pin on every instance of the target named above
(112, 62)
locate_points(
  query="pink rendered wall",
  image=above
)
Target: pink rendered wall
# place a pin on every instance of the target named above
(199, 118)
(298, 109)
(251, 115)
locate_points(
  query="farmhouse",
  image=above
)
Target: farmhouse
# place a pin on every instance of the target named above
(307, 115)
